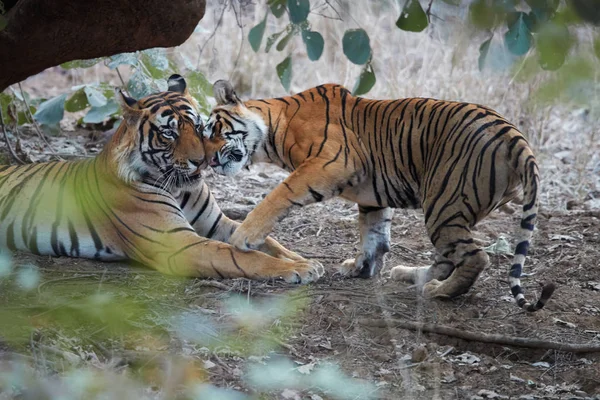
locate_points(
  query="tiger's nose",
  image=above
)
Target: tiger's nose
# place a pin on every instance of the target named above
(197, 163)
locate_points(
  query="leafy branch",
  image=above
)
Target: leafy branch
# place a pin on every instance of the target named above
(543, 25)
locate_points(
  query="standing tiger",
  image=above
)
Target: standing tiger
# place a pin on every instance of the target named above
(458, 161)
(141, 199)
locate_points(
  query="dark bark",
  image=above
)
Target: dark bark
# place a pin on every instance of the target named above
(44, 33)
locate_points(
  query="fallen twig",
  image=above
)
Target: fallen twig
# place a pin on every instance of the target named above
(483, 337)
(35, 124)
(10, 149)
(214, 284)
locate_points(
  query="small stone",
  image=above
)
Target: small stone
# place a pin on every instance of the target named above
(449, 377)
(209, 364)
(419, 354)
(515, 378)
(466, 358)
(488, 394)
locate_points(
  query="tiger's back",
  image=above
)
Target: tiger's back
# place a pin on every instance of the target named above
(458, 161)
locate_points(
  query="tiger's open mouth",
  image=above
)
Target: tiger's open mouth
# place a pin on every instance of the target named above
(214, 162)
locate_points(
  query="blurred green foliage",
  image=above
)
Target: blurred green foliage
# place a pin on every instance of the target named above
(545, 27)
(149, 70)
(140, 334)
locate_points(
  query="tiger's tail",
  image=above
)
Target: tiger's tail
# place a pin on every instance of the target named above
(526, 165)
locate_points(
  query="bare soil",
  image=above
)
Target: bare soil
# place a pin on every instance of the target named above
(332, 327)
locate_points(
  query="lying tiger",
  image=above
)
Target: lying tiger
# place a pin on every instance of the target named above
(142, 199)
(458, 161)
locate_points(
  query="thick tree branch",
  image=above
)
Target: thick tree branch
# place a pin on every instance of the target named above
(483, 337)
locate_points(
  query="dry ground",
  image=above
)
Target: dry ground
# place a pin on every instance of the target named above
(328, 324)
(331, 326)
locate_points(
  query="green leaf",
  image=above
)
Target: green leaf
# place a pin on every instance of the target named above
(356, 46)
(553, 42)
(3, 22)
(256, 34)
(573, 82)
(532, 22)
(200, 88)
(197, 82)
(5, 101)
(156, 63)
(587, 10)
(277, 7)
(77, 102)
(483, 52)
(99, 114)
(542, 10)
(157, 58)
(81, 63)
(273, 38)
(283, 42)
(139, 85)
(365, 81)
(51, 111)
(482, 15)
(412, 18)
(597, 47)
(284, 72)
(299, 10)
(518, 37)
(123, 59)
(23, 118)
(94, 96)
(314, 44)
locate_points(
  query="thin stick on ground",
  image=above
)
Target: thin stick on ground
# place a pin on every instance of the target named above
(8, 145)
(483, 337)
(35, 124)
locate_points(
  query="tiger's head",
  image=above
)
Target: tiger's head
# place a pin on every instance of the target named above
(232, 133)
(160, 138)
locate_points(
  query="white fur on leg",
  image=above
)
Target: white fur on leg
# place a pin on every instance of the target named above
(348, 268)
(415, 275)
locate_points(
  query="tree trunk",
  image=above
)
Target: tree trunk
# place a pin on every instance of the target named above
(44, 33)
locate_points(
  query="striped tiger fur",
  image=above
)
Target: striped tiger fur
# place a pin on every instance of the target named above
(141, 199)
(458, 161)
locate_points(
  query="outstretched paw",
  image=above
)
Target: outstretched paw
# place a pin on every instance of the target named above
(434, 289)
(246, 240)
(363, 266)
(303, 272)
(348, 268)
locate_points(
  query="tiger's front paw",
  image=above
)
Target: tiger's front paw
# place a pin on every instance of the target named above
(305, 271)
(363, 266)
(348, 268)
(434, 289)
(247, 240)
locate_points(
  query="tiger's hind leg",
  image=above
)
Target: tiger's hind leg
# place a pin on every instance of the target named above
(455, 242)
(374, 224)
(441, 269)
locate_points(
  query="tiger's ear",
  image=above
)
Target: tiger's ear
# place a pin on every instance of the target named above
(177, 84)
(131, 114)
(224, 93)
